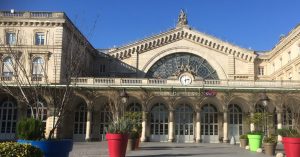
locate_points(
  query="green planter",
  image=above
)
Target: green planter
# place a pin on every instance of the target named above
(254, 141)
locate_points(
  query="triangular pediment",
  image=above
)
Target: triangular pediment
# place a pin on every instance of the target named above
(182, 33)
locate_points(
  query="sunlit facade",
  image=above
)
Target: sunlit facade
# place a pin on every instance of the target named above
(189, 86)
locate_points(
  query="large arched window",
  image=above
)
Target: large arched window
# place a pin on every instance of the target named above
(80, 119)
(38, 67)
(259, 108)
(38, 110)
(8, 119)
(134, 107)
(287, 117)
(159, 123)
(235, 121)
(172, 65)
(105, 119)
(7, 67)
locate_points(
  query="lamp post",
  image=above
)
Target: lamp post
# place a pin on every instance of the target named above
(124, 96)
(265, 99)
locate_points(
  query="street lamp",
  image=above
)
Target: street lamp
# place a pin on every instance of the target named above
(124, 96)
(264, 99)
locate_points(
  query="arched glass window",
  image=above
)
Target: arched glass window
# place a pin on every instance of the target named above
(159, 123)
(259, 108)
(80, 119)
(287, 117)
(7, 67)
(38, 110)
(235, 120)
(134, 107)
(38, 66)
(209, 120)
(8, 119)
(105, 119)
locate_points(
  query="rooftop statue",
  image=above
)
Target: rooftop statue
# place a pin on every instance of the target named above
(182, 19)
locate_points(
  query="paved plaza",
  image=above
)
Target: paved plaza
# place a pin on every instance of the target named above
(154, 149)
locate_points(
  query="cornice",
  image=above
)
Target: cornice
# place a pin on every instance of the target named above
(180, 33)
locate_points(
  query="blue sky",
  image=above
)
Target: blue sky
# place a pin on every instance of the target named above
(255, 24)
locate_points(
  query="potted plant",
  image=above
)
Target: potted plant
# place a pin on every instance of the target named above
(31, 131)
(243, 141)
(291, 141)
(270, 143)
(135, 132)
(255, 137)
(117, 137)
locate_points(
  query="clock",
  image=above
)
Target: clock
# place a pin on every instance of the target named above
(185, 80)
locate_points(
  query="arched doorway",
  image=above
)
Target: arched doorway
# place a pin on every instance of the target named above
(80, 123)
(8, 120)
(105, 119)
(235, 121)
(39, 111)
(159, 123)
(184, 126)
(209, 124)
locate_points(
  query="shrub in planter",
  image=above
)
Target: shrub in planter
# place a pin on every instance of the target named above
(13, 149)
(117, 137)
(31, 131)
(291, 142)
(243, 141)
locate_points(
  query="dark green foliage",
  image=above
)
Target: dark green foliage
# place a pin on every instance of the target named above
(135, 118)
(244, 136)
(13, 149)
(286, 132)
(30, 129)
(270, 139)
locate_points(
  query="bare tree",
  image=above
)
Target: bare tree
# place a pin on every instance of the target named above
(29, 84)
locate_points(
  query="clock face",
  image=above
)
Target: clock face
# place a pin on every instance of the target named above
(185, 80)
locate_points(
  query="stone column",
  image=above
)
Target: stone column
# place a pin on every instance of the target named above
(88, 125)
(252, 127)
(144, 126)
(198, 127)
(279, 124)
(225, 127)
(171, 126)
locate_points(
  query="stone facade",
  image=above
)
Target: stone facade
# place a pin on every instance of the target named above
(189, 86)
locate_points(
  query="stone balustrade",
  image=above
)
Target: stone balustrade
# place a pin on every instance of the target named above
(82, 81)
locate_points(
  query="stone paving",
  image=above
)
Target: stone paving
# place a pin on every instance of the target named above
(155, 149)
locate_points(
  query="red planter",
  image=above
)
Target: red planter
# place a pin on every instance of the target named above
(117, 144)
(291, 146)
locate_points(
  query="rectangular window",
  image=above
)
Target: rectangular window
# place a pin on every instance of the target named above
(39, 38)
(102, 68)
(260, 70)
(11, 38)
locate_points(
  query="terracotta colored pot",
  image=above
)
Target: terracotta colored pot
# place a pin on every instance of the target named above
(291, 146)
(243, 142)
(117, 144)
(270, 148)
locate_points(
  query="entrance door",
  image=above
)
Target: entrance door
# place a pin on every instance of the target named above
(209, 124)
(159, 123)
(105, 119)
(8, 120)
(184, 127)
(235, 122)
